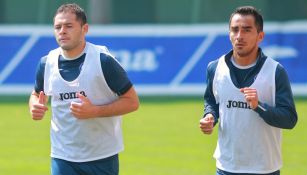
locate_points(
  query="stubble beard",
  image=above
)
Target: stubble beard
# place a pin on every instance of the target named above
(245, 53)
(68, 47)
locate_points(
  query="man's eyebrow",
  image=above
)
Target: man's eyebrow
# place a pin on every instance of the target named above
(244, 27)
(247, 27)
(234, 27)
(65, 23)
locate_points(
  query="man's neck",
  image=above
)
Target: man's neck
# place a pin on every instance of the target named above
(246, 60)
(74, 53)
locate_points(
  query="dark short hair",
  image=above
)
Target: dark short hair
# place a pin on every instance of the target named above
(73, 8)
(249, 10)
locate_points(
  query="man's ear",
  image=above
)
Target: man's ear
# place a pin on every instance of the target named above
(260, 36)
(85, 28)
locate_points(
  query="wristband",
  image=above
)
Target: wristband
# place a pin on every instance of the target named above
(261, 107)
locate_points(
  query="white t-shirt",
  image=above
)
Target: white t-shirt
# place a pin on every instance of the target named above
(81, 140)
(246, 143)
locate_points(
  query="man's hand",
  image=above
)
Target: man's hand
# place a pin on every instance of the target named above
(39, 107)
(250, 96)
(206, 124)
(84, 109)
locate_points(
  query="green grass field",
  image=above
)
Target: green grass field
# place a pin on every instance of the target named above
(161, 138)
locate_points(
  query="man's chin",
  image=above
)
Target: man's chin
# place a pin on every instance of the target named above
(241, 53)
(65, 47)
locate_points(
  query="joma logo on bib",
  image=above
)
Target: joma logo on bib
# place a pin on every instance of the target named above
(237, 104)
(70, 95)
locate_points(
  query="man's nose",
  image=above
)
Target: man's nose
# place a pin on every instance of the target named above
(63, 30)
(239, 35)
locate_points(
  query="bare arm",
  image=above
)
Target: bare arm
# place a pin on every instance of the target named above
(126, 103)
(37, 105)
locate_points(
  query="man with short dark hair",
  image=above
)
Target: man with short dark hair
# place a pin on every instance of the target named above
(250, 94)
(89, 93)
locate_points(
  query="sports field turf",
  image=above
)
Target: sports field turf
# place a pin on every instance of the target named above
(161, 138)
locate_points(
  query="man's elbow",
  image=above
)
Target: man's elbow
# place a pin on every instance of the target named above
(293, 123)
(135, 104)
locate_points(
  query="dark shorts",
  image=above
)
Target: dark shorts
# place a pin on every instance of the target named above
(221, 172)
(107, 166)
